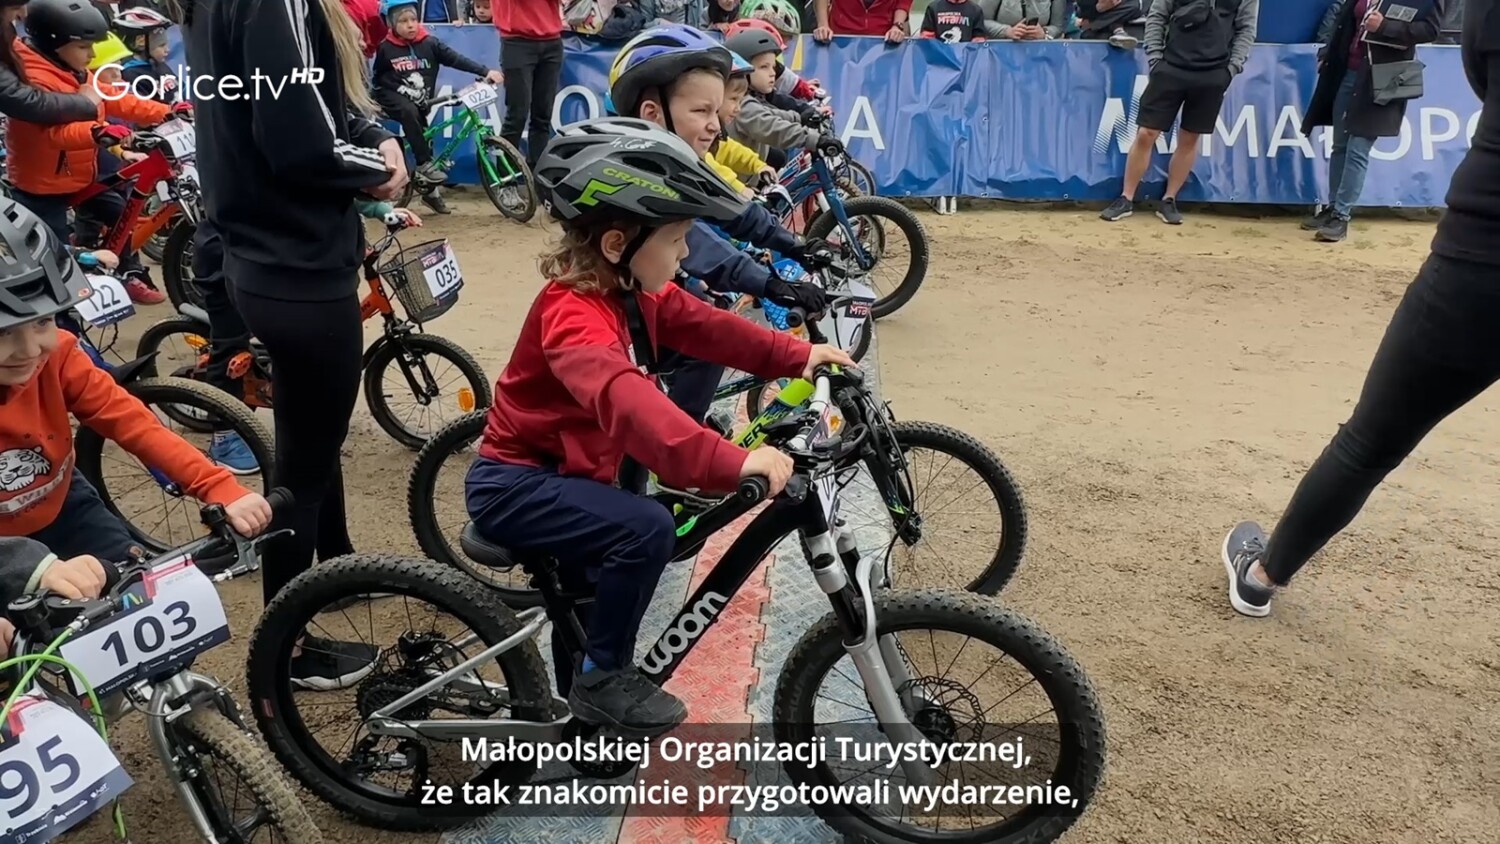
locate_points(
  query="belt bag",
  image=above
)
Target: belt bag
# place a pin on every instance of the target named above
(1393, 81)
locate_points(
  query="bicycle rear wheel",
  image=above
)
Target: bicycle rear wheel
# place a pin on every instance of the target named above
(820, 689)
(512, 193)
(419, 377)
(206, 735)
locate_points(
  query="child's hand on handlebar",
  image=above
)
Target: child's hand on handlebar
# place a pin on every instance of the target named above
(249, 514)
(105, 258)
(76, 579)
(495, 77)
(771, 464)
(824, 354)
(407, 217)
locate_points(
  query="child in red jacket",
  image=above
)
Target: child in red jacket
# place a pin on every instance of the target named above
(574, 401)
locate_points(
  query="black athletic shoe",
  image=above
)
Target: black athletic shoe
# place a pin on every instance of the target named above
(625, 700)
(432, 200)
(325, 665)
(1318, 220)
(1242, 548)
(1333, 231)
(1168, 212)
(1117, 210)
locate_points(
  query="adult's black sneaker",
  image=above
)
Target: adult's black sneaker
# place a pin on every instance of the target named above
(1333, 231)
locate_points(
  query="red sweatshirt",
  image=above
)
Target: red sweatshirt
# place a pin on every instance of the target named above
(854, 17)
(572, 395)
(36, 440)
(367, 17)
(533, 20)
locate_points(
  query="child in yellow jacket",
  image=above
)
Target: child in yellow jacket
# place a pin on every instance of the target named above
(730, 158)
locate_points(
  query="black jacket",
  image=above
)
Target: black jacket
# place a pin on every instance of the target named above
(46, 108)
(1365, 118)
(410, 68)
(280, 172)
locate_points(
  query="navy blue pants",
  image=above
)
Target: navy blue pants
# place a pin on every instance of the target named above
(601, 535)
(86, 526)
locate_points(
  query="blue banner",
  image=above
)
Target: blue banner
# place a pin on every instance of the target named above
(1053, 120)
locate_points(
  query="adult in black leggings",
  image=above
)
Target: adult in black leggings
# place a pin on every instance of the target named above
(280, 175)
(1441, 349)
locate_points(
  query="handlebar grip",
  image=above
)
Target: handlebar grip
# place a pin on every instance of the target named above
(281, 500)
(796, 487)
(111, 576)
(795, 317)
(754, 489)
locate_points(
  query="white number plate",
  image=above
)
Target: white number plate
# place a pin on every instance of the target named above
(107, 304)
(55, 771)
(845, 324)
(441, 271)
(478, 95)
(179, 136)
(179, 615)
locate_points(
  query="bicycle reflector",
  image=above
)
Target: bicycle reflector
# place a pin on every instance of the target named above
(465, 399)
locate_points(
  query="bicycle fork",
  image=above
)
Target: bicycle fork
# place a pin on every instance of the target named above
(156, 702)
(877, 658)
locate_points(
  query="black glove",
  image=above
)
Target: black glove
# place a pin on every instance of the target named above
(813, 255)
(812, 118)
(808, 297)
(829, 145)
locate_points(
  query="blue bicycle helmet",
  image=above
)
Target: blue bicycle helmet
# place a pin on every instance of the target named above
(389, 7)
(740, 66)
(657, 58)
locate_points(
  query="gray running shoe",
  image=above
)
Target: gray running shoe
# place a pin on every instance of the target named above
(1117, 210)
(1242, 548)
(1168, 212)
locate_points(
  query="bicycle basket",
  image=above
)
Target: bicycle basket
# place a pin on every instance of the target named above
(426, 279)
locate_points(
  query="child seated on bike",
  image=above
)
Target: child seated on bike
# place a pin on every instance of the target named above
(574, 399)
(733, 160)
(48, 164)
(144, 33)
(406, 69)
(44, 378)
(674, 76)
(760, 125)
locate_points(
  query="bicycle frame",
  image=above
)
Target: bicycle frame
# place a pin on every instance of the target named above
(816, 183)
(130, 233)
(835, 562)
(470, 125)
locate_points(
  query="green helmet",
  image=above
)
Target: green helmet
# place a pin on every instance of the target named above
(781, 14)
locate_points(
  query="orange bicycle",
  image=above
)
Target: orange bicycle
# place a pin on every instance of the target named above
(425, 280)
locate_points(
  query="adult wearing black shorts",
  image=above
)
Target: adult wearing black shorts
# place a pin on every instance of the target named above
(1196, 47)
(1439, 351)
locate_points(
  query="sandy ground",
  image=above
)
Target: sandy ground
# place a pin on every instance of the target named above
(1148, 386)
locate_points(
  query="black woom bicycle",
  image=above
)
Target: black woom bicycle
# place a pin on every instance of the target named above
(429, 691)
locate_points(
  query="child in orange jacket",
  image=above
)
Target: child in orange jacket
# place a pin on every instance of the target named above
(47, 164)
(44, 378)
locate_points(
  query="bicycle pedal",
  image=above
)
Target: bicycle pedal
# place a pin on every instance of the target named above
(239, 365)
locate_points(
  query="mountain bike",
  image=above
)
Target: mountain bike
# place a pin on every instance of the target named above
(426, 281)
(859, 227)
(133, 648)
(158, 513)
(503, 172)
(434, 687)
(945, 507)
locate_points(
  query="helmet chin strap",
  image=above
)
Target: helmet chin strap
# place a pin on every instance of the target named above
(628, 254)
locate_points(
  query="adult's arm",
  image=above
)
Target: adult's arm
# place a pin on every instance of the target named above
(1330, 22)
(820, 12)
(1244, 35)
(1424, 30)
(294, 130)
(31, 104)
(1057, 19)
(1156, 29)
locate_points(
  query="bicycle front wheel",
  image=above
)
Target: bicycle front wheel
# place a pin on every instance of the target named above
(509, 186)
(177, 265)
(257, 803)
(433, 381)
(972, 673)
(872, 221)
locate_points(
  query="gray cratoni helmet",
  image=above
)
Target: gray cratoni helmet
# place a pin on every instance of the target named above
(37, 278)
(631, 171)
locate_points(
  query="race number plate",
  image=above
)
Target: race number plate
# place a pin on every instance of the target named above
(853, 318)
(441, 271)
(173, 615)
(828, 494)
(108, 303)
(180, 138)
(478, 95)
(55, 771)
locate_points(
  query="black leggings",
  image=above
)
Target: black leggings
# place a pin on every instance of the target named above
(413, 120)
(315, 350)
(1441, 349)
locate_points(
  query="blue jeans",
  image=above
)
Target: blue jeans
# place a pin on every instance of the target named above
(599, 534)
(1351, 154)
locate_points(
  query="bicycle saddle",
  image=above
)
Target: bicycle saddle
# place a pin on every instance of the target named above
(485, 552)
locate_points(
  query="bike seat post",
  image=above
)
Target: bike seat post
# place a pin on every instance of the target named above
(562, 606)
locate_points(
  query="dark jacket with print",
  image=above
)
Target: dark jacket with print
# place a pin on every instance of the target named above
(1366, 119)
(21, 101)
(410, 68)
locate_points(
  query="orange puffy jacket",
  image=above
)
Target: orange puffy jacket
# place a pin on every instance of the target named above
(64, 158)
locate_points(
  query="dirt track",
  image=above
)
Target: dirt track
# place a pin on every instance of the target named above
(1148, 386)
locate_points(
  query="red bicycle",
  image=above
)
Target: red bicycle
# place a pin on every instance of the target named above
(167, 172)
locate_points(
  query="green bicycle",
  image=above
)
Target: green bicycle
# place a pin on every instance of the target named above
(952, 512)
(502, 169)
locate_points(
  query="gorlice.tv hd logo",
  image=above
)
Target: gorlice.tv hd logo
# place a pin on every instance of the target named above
(109, 81)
